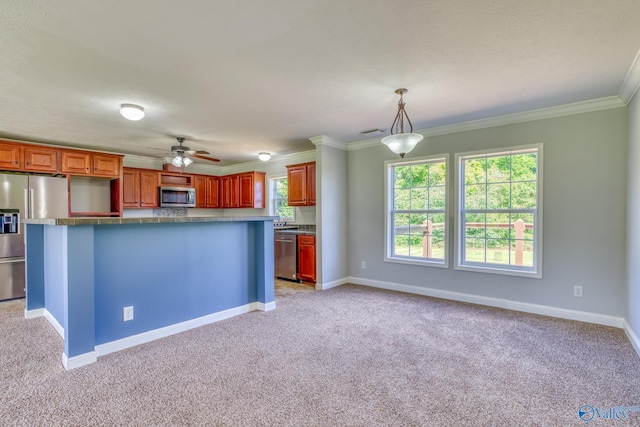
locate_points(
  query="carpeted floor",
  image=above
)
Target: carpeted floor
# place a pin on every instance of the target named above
(349, 356)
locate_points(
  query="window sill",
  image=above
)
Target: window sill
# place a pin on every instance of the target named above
(413, 261)
(503, 271)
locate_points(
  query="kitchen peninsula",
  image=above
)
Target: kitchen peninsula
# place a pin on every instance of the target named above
(86, 275)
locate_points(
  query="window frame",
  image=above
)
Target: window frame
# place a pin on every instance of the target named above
(459, 211)
(389, 211)
(272, 199)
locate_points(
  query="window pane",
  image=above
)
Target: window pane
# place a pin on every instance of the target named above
(498, 251)
(437, 197)
(475, 225)
(402, 199)
(402, 177)
(474, 250)
(524, 222)
(475, 197)
(524, 167)
(419, 198)
(498, 196)
(523, 195)
(437, 174)
(419, 175)
(475, 171)
(282, 188)
(499, 169)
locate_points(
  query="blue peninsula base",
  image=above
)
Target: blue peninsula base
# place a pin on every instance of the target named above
(171, 275)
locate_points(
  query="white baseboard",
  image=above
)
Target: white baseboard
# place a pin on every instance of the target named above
(633, 337)
(54, 322)
(545, 310)
(32, 314)
(265, 307)
(145, 337)
(78, 361)
(333, 284)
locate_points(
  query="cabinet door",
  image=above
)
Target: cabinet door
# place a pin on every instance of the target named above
(311, 184)
(245, 183)
(201, 191)
(149, 189)
(307, 258)
(130, 188)
(234, 191)
(224, 192)
(10, 156)
(105, 165)
(213, 192)
(296, 177)
(38, 159)
(75, 162)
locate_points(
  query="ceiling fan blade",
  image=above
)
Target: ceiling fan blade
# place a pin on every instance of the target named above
(191, 152)
(211, 159)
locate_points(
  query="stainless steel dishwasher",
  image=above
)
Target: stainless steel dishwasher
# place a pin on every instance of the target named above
(286, 255)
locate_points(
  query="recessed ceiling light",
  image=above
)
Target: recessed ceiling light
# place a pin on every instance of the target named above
(132, 111)
(264, 156)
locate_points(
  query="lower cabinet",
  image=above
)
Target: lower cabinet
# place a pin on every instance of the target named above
(307, 258)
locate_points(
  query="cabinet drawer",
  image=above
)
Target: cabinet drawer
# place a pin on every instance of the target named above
(306, 240)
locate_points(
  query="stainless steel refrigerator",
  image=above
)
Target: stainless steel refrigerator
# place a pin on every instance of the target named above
(29, 196)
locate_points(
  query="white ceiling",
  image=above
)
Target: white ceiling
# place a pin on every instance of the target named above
(237, 76)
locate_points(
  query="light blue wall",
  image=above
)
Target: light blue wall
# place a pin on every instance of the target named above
(171, 273)
(585, 164)
(55, 268)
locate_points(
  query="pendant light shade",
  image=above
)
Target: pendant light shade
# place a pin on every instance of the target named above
(400, 142)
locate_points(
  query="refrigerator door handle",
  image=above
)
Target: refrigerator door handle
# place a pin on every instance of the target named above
(31, 201)
(26, 204)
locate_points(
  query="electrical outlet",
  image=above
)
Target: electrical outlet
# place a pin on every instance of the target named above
(127, 313)
(363, 265)
(577, 291)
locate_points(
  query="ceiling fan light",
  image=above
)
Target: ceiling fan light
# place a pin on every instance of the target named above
(177, 161)
(132, 111)
(186, 161)
(402, 143)
(264, 156)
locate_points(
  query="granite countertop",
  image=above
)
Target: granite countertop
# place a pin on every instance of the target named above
(146, 220)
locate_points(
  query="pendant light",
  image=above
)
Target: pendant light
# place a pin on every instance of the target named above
(400, 142)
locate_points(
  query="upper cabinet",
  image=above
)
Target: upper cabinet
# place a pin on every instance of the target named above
(139, 188)
(251, 189)
(10, 156)
(302, 184)
(40, 159)
(87, 163)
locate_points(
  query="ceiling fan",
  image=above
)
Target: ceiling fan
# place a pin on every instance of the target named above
(182, 154)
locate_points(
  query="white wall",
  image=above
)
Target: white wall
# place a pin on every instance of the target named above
(584, 214)
(633, 216)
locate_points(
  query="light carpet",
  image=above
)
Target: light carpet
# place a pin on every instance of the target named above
(349, 356)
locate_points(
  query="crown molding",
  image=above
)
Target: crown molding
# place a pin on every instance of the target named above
(327, 140)
(631, 81)
(292, 158)
(526, 116)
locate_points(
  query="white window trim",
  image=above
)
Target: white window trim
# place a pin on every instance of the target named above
(388, 206)
(271, 194)
(457, 236)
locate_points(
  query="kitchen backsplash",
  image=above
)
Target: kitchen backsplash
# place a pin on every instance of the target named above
(170, 212)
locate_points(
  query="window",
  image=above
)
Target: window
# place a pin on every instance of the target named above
(416, 206)
(499, 211)
(278, 190)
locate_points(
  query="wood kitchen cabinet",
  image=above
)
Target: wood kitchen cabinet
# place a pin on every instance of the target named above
(10, 156)
(302, 184)
(307, 258)
(86, 163)
(213, 192)
(252, 189)
(200, 184)
(40, 159)
(139, 188)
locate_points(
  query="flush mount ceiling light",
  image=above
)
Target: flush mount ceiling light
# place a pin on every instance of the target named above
(400, 142)
(131, 111)
(264, 156)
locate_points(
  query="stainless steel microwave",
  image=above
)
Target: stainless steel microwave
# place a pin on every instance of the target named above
(177, 197)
